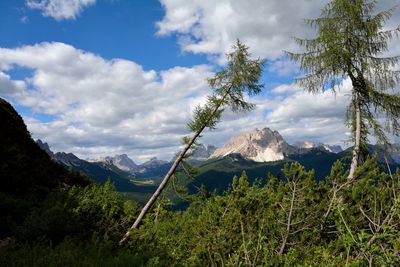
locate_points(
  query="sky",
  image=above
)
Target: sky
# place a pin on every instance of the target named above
(105, 77)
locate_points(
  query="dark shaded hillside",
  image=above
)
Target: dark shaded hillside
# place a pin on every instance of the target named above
(27, 174)
(24, 167)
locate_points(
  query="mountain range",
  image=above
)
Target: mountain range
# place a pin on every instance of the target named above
(257, 146)
(258, 152)
(262, 145)
(100, 172)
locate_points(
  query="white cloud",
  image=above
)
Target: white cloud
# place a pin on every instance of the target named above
(267, 27)
(283, 67)
(114, 105)
(211, 27)
(315, 117)
(286, 88)
(10, 87)
(24, 19)
(60, 9)
(105, 107)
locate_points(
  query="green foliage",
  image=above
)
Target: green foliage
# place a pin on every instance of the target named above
(102, 209)
(349, 43)
(240, 76)
(249, 224)
(74, 252)
(280, 223)
(81, 212)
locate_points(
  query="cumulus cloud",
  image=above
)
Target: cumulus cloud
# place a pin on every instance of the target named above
(10, 87)
(211, 27)
(60, 9)
(267, 27)
(286, 88)
(314, 117)
(103, 106)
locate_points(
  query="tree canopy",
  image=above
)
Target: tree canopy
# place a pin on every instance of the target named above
(351, 43)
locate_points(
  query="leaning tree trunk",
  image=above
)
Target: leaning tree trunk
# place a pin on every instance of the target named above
(357, 135)
(171, 171)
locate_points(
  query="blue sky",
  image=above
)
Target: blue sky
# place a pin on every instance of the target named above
(112, 29)
(107, 77)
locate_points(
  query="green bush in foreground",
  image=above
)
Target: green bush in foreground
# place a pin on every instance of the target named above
(287, 222)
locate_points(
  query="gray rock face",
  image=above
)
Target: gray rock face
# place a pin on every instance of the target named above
(309, 145)
(122, 162)
(389, 154)
(67, 159)
(153, 162)
(259, 145)
(45, 147)
(203, 152)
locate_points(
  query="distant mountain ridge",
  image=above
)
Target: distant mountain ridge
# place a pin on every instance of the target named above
(123, 162)
(98, 171)
(330, 148)
(152, 166)
(120, 168)
(259, 145)
(149, 168)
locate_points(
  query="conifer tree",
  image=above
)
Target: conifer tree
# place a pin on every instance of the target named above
(349, 44)
(240, 76)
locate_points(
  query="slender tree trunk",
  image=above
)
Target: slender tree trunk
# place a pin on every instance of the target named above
(171, 172)
(289, 221)
(356, 149)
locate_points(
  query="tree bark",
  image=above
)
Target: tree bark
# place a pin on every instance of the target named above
(171, 172)
(357, 134)
(289, 221)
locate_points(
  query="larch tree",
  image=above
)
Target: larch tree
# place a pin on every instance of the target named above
(238, 78)
(350, 42)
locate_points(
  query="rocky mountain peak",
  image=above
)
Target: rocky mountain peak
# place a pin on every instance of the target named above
(122, 162)
(153, 162)
(203, 152)
(44, 146)
(261, 145)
